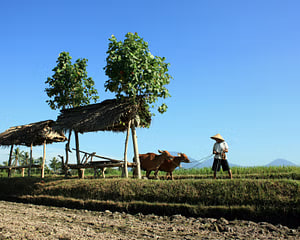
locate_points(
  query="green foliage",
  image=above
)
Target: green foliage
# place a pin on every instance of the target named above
(69, 86)
(281, 172)
(17, 156)
(135, 73)
(55, 165)
(25, 158)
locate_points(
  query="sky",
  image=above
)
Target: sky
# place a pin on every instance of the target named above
(235, 68)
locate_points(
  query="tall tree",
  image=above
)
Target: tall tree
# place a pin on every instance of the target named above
(25, 158)
(55, 164)
(69, 86)
(135, 73)
(17, 156)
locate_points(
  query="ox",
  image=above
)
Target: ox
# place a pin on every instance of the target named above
(170, 165)
(152, 162)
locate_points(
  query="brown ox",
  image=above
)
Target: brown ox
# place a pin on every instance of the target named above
(170, 165)
(152, 162)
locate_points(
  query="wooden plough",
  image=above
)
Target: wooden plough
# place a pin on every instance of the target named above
(87, 162)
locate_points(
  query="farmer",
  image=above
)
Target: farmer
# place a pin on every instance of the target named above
(220, 159)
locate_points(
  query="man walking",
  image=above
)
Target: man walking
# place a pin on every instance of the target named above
(219, 150)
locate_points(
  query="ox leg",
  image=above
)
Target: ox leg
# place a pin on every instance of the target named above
(156, 174)
(167, 175)
(148, 174)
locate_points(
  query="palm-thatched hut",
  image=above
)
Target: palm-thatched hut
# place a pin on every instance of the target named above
(33, 134)
(110, 115)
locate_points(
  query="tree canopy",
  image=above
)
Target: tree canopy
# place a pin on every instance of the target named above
(70, 86)
(135, 73)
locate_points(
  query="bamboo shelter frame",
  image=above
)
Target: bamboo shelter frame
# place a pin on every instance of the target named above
(33, 134)
(110, 115)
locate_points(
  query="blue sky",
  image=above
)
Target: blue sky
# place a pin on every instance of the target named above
(235, 66)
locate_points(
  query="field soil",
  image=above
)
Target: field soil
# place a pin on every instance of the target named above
(27, 221)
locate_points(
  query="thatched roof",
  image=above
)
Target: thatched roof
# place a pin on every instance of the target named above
(33, 133)
(109, 115)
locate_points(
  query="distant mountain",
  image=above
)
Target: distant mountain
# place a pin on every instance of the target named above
(281, 162)
(209, 162)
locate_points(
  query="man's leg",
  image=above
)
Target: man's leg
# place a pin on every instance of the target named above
(216, 167)
(230, 173)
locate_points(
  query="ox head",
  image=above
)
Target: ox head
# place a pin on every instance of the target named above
(166, 154)
(184, 158)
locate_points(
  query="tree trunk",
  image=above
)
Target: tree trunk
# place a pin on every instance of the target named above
(30, 163)
(10, 159)
(80, 171)
(44, 159)
(125, 169)
(64, 165)
(136, 151)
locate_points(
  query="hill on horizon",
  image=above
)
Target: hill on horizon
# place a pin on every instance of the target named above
(281, 162)
(208, 163)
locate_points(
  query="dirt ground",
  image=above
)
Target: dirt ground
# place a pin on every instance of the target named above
(27, 221)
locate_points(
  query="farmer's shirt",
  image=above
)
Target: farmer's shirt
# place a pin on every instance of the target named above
(219, 148)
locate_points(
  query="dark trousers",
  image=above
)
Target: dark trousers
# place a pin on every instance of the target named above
(218, 163)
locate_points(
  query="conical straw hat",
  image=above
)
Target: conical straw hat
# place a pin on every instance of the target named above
(217, 137)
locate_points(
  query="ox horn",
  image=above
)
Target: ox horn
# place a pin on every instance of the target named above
(160, 151)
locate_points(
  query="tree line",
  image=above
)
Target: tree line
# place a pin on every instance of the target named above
(22, 158)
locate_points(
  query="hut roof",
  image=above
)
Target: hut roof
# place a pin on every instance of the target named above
(109, 115)
(33, 133)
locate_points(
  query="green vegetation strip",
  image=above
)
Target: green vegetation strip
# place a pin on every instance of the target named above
(193, 191)
(288, 172)
(269, 200)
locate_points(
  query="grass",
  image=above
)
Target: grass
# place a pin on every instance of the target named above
(270, 194)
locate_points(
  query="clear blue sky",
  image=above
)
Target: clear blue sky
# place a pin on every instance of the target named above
(235, 66)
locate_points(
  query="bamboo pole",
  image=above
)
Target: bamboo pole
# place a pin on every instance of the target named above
(136, 151)
(30, 163)
(44, 159)
(125, 169)
(80, 171)
(9, 160)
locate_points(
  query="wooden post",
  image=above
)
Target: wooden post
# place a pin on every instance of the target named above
(23, 170)
(30, 163)
(68, 147)
(125, 169)
(80, 171)
(10, 159)
(136, 151)
(44, 159)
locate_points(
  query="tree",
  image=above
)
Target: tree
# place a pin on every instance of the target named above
(69, 86)
(17, 155)
(25, 158)
(135, 73)
(55, 164)
(4, 163)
